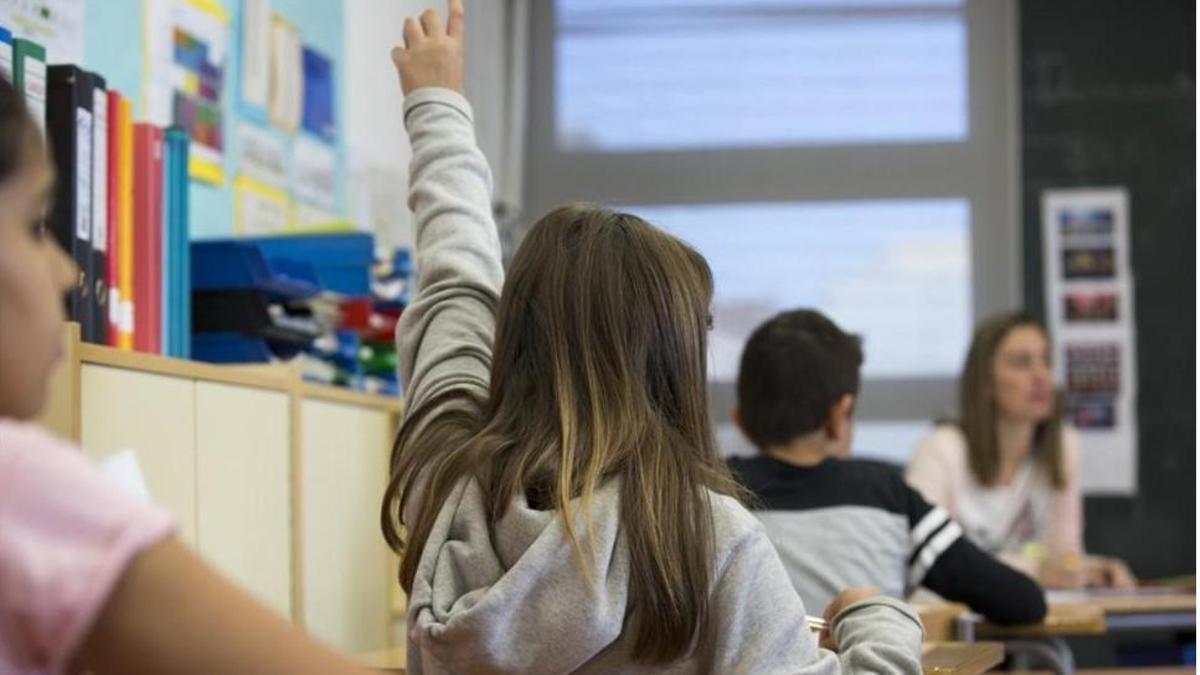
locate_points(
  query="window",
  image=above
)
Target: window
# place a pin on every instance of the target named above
(852, 155)
(676, 75)
(887, 270)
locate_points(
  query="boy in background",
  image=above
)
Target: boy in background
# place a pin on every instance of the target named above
(838, 522)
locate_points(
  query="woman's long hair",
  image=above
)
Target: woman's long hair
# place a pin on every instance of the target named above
(977, 401)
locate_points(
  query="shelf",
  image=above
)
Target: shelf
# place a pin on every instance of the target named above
(277, 377)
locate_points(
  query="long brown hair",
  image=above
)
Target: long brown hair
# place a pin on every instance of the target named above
(598, 373)
(978, 407)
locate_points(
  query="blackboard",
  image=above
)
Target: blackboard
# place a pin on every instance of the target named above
(1108, 98)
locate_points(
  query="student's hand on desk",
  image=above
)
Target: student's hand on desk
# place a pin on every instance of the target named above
(1063, 572)
(1076, 571)
(841, 602)
(1109, 573)
(432, 55)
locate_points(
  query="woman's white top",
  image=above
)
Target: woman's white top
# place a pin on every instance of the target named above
(1003, 519)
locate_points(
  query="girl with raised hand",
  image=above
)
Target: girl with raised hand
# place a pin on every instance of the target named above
(556, 496)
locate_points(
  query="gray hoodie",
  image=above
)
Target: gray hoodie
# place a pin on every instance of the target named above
(513, 600)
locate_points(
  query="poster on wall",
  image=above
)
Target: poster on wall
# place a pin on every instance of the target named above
(57, 25)
(1089, 305)
(314, 173)
(286, 99)
(256, 56)
(187, 46)
(259, 209)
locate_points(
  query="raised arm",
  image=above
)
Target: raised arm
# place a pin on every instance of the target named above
(445, 336)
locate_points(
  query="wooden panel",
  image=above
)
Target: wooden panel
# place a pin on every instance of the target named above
(275, 378)
(1141, 601)
(391, 660)
(242, 488)
(153, 415)
(940, 619)
(345, 560)
(960, 658)
(1060, 620)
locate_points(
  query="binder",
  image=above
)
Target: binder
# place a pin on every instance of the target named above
(165, 257)
(100, 222)
(147, 237)
(69, 121)
(29, 77)
(125, 248)
(6, 54)
(178, 261)
(112, 206)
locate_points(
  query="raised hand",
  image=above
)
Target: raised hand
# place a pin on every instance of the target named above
(432, 55)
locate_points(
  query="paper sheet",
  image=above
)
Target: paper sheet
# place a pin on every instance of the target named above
(55, 24)
(187, 44)
(124, 469)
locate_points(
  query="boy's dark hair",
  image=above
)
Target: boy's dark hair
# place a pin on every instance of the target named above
(794, 368)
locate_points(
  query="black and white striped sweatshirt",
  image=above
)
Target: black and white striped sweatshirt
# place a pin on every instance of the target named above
(855, 523)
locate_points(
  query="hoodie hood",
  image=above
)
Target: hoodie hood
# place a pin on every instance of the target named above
(516, 603)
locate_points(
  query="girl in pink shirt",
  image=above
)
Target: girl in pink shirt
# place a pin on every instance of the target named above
(90, 579)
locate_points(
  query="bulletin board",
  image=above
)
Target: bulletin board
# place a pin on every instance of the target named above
(252, 149)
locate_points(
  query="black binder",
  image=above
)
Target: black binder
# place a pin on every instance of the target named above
(98, 272)
(69, 91)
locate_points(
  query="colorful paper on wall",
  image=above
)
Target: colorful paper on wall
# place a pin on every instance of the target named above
(256, 54)
(319, 95)
(260, 208)
(262, 155)
(305, 217)
(57, 25)
(314, 173)
(1090, 313)
(287, 75)
(186, 60)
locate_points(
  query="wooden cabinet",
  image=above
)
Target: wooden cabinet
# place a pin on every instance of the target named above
(154, 416)
(277, 483)
(243, 488)
(346, 562)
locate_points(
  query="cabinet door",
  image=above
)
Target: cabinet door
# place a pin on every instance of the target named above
(154, 416)
(345, 560)
(243, 488)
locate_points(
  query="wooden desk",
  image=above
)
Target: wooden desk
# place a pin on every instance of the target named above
(1151, 608)
(1070, 614)
(960, 658)
(1152, 600)
(386, 660)
(937, 658)
(1061, 620)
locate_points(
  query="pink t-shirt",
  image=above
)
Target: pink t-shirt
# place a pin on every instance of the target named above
(67, 534)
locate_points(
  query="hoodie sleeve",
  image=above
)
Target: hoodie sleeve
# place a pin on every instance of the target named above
(444, 338)
(762, 624)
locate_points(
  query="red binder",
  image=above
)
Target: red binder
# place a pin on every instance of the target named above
(147, 237)
(113, 274)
